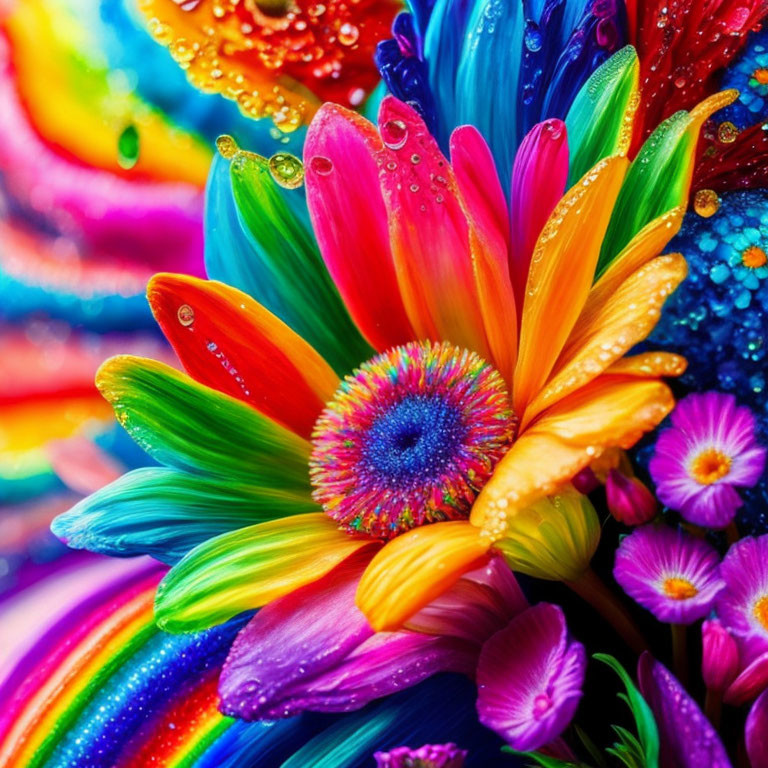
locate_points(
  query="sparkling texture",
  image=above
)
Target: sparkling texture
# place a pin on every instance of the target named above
(410, 438)
(718, 318)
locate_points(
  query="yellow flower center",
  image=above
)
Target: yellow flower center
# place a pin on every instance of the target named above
(679, 589)
(761, 611)
(754, 257)
(709, 466)
(761, 75)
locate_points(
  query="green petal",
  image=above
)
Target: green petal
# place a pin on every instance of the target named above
(186, 425)
(287, 272)
(599, 121)
(166, 513)
(656, 182)
(248, 568)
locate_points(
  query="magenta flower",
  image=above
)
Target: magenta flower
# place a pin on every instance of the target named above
(428, 756)
(529, 678)
(743, 605)
(756, 732)
(314, 650)
(672, 574)
(686, 737)
(709, 451)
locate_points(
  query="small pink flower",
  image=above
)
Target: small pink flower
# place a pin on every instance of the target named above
(709, 451)
(629, 501)
(719, 655)
(429, 756)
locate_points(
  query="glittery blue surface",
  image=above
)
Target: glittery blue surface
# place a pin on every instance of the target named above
(718, 318)
(752, 104)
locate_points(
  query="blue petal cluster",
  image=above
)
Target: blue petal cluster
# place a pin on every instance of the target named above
(749, 75)
(500, 66)
(718, 318)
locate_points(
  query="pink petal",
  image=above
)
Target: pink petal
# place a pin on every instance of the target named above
(529, 678)
(350, 222)
(756, 732)
(486, 210)
(539, 175)
(82, 465)
(429, 232)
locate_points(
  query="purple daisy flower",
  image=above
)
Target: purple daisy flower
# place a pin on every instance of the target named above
(708, 452)
(672, 574)
(428, 756)
(529, 678)
(743, 605)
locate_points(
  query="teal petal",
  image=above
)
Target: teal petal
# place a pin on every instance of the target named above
(166, 513)
(186, 425)
(259, 239)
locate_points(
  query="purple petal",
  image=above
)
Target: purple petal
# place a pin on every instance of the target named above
(687, 739)
(292, 640)
(530, 677)
(751, 681)
(429, 756)
(756, 732)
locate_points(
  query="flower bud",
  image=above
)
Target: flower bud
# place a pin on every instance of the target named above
(629, 501)
(719, 655)
(585, 481)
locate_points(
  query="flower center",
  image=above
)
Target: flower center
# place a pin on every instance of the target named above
(541, 705)
(761, 75)
(754, 257)
(410, 438)
(709, 466)
(761, 611)
(679, 589)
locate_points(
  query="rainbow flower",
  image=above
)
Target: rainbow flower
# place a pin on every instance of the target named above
(440, 358)
(674, 575)
(708, 452)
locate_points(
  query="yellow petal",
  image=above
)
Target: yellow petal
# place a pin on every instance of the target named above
(650, 241)
(606, 331)
(248, 568)
(612, 411)
(561, 273)
(415, 568)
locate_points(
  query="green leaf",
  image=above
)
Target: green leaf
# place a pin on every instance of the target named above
(644, 720)
(600, 119)
(590, 746)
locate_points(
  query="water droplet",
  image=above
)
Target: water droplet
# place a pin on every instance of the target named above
(727, 132)
(185, 315)
(706, 203)
(394, 134)
(226, 146)
(415, 159)
(182, 51)
(532, 37)
(287, 170)
(321, 165)
(128, 147)
(348, 34)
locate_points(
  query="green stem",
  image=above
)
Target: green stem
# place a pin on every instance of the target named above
(591, 588)
(713, 705)
(680, 651)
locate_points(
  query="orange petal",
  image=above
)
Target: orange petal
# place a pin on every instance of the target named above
(229, 342)
(561, 273)
(612, 411)
(647, 243)
(604, 332)
(649, 365)
(415, 568)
